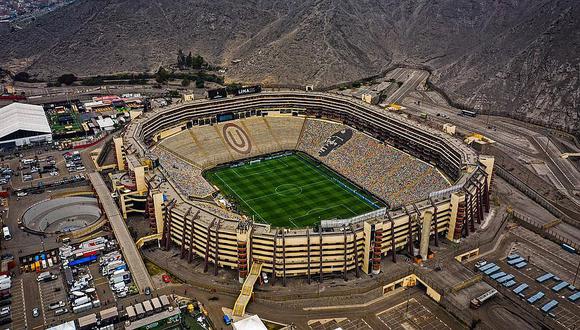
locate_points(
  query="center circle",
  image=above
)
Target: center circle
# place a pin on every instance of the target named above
(288, 189)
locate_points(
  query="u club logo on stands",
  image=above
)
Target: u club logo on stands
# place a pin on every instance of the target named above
(237, 138)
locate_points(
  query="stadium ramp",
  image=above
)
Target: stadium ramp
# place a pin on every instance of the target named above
(247, 289)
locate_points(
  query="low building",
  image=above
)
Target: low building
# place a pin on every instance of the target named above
(169, 319)
(23, 124)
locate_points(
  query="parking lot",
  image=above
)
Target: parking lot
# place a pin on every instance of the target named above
(410, 314)
(53, 292)
(41, 167)
(102, 288)
(342, 323)
(542, 257)
(546, 254)
(17, 307)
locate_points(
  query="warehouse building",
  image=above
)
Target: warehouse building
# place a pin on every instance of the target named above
(23, 124)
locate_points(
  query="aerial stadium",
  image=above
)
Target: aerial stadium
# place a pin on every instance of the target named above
(299, 183)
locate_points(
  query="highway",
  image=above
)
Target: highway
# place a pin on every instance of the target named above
(563, 165)
(136, 265)
(413, 79)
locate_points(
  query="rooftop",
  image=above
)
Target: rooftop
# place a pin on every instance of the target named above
(23, 117)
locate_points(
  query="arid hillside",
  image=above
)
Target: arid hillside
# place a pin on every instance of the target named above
(517, 57)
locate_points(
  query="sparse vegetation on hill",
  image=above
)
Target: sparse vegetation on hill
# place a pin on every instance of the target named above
(518, 58)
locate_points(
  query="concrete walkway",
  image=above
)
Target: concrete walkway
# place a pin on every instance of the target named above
(132, 256)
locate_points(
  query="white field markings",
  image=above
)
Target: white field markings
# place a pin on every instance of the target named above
(334, 182)
(240, 197)
(266, 164)
(285, 184)
(320, 209)
(326, 179)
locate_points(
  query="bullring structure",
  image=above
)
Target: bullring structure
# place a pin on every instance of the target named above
(176, 145)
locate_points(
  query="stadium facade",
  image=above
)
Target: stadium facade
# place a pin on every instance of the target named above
(340, 246)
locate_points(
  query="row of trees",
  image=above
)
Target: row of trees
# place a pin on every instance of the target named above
(163, 76)
(190, 61)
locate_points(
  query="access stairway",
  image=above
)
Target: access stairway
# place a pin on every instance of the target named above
(247, 289)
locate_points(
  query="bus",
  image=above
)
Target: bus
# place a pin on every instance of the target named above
(6, 233)
(468, 113)
(477, 302)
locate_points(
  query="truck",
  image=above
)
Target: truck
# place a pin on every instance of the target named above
(82, 261)
(56, 305)
(477, 302)
(80, 301)
(117, 287)
(68, 276)
(110, 257)
(125, 276)
(6, 280)
(5, 286)
(111, 267)
(82, 308)
(46, 276)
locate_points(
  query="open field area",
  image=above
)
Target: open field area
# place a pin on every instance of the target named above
(291, 190)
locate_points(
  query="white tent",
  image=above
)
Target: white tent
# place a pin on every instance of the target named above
(250, 323)
(65, 326)
(23, 124)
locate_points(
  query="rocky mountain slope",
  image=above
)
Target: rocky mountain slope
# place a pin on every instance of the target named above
(519, 57)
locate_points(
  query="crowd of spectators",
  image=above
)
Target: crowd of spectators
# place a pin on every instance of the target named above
(186, 177)
(388, 173)
(217, 210)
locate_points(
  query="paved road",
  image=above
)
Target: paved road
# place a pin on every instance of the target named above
(412, 80)
(564, 166)
(132, 256)
(33, 300)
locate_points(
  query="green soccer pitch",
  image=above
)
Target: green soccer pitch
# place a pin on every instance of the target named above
(291, 191)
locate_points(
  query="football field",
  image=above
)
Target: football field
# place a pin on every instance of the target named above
(291, 191)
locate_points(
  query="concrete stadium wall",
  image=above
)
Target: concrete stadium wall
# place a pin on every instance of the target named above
(305, 252)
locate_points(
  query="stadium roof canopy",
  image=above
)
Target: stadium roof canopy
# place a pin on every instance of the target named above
(23, 117)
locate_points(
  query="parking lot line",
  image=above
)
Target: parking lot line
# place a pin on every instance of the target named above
(23, 303)
(42, 303)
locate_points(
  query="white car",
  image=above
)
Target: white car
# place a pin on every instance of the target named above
(35, 312)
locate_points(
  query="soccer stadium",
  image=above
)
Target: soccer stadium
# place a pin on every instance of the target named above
(300, 183)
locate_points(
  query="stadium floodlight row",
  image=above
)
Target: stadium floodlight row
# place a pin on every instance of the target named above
(350, 246)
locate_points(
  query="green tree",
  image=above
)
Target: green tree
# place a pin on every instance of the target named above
(181, 59)
(162, 75)
(197, 62)
(22, 76)
(185, 82)
(189, 60)
(67, 79)
(199, 83)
